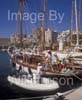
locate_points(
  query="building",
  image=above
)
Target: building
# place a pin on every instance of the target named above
(50, 36)
(16, 38)
(64, 35)
(35, 38)
(50, 39)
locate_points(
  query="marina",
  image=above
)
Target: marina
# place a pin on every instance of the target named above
(40, 63)
(18, 93)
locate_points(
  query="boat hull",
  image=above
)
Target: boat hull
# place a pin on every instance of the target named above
(38, 89)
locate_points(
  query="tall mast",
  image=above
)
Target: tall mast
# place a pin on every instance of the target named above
(76, 23)
(21, 33)
(72, 21)
(43, 28)
(79, 15)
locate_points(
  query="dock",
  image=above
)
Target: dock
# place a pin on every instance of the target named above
(75, 95)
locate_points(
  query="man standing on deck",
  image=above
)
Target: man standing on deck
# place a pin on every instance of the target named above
(54, 61)
(48, 60)
(60, 66)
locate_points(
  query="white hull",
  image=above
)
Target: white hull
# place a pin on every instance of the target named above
(47, 85)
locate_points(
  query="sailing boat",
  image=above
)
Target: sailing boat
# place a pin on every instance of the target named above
(25, 59)
(32, 81)
(75, 54)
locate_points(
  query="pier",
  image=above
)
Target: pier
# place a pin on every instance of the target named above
(76, 95)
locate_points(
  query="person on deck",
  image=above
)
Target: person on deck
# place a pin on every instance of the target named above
(39, 72)
(20, 69)
(30, 74)
(54, 60)
(60, 66)
(48, 59)
(39, 68)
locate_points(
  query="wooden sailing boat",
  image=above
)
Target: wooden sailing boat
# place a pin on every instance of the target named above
(32, 84)
(25, 61)
(37, 58)
(75, 54)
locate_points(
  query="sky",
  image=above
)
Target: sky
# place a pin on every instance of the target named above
(58, 16)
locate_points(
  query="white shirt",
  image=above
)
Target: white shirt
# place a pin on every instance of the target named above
(39, 69)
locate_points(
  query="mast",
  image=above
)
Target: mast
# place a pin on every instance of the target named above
(76, 23)
(79, 15)
(21, 33)
(72, 21)
(43, 28)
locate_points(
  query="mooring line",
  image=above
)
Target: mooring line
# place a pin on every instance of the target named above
(77, 77)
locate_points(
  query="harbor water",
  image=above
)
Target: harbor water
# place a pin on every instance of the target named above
(6, 89)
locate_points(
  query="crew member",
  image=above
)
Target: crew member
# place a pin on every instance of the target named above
(48, 61)
(39, 72)
(60, 66)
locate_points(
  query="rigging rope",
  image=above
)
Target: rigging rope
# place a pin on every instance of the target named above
(77, 77)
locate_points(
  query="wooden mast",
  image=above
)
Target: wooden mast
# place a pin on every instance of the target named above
(77, 44)
(71, 31)
(79, 14)
(21, 32)
(43, 28)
